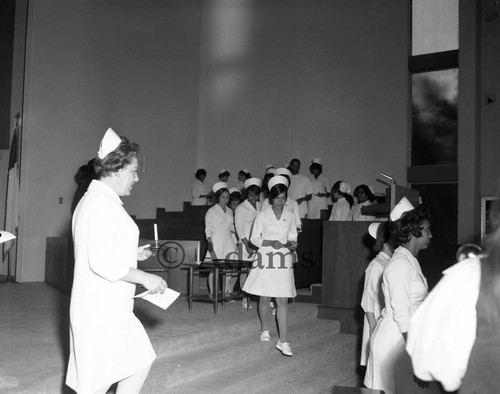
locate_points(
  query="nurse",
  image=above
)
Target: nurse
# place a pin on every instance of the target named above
(274, 233)
(365, 198)
(321, 190)
(219, 231)
(372, 300)
(341, 206)
(264, 191)
(290, 204)
(243, 175)
(404, 287)
(108, 343)
(244, 218)
(200, 192)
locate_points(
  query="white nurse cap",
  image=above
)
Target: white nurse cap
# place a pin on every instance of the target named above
(283, 171)
(316, 160)
(401, 207)
(277, 180)
(109, 143)
(219, 185)
(234, 190)
(251, 182)
(345, 187)
(372, 229)
(6, 236)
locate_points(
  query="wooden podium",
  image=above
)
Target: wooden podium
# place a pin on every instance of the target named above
(347, 251)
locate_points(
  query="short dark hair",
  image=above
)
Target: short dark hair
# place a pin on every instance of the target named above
(316, 166)
(200, 172)
(235, 196)
(409, 224)
(276, 190)
(367, 191)
(386, 234)
(254, 189)
(117, 159)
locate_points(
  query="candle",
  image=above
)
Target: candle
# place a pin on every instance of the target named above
(156, 232)
(198, 252)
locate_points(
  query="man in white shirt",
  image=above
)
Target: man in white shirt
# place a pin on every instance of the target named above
(300, 188)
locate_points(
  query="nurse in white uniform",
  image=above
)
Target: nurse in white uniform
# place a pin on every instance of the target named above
(290, 204)
(108, 343)
(244, 218)
(372, 300)
(404, 287)
(200, 192)
(365, 198)
(219, 230)
(321, 190)
(275, 234)
(341, 207)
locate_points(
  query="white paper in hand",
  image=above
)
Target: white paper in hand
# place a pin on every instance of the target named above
(162, 300)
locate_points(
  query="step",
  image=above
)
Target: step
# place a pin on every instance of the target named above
(197, 363)
(243, 323)
(270, 370)
(321, 380)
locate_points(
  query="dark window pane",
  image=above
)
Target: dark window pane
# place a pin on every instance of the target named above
(434, 118)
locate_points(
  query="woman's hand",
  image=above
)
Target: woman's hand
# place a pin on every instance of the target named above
(154, 283)
(292, 245)
(143, 252)
(210, 247)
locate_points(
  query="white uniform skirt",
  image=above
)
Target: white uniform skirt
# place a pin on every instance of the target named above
(272, 273)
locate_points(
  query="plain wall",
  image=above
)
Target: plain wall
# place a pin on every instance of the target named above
(213, 83)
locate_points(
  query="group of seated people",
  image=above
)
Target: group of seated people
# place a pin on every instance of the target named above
(313, 194)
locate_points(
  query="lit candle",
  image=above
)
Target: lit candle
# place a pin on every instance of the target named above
(198, 252)
(156, 232)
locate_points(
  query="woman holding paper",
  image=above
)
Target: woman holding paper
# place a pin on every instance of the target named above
(108, 343)
(274, 232)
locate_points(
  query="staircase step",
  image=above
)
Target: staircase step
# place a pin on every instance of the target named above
(197, 363)
(242, 323)
(274, 369)
(320, 380)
